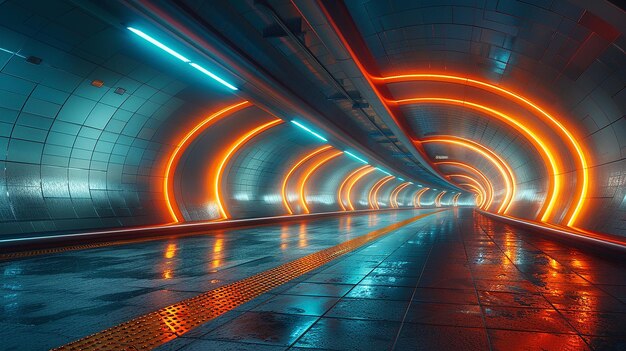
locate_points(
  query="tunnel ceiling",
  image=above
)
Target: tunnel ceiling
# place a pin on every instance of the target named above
(522, 99)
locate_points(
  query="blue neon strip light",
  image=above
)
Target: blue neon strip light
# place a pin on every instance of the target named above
(382, 170)
(401, 179)
(180, 57)
(355, 156)
(159, 44)
(210, 74)
(309, 130)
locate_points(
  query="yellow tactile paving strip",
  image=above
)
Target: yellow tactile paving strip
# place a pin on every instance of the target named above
(30, 253)
(156, 328)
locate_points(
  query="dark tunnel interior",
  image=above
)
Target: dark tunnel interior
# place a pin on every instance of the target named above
(312, 175)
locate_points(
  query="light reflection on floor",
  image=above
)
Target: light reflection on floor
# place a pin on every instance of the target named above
(455, 280)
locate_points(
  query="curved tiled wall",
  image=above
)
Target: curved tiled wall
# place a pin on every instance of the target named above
(86, 135)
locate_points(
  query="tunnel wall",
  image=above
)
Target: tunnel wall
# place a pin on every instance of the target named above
(565, 56)
(85, 134)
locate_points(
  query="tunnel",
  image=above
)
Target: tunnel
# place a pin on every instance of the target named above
(312, 175)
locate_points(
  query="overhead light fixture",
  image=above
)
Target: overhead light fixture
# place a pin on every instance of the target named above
(354, 156)
(401, 179)
(158, 44)
(180, 57)
(210, 74)
(308, 130)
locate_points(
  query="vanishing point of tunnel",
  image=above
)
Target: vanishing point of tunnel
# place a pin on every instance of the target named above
(312, 175)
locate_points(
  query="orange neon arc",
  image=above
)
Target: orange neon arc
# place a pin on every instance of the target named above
(168, 181)
(373, 193)
(393, 198)
(479, 197)
(552, 166)
(343, 184)
(228, 154)
(438, 199)
(455, 200)
(283, 190)
(503, 167)
(308, 174)
(488, 183)
(372, 81)
(547, 117)
(418, 196)
(483, 192)
(352, 182)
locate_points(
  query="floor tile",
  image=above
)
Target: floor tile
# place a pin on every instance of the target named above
(263, 328)
(498, 298)
(459, 296)
(508, 340)
(438, 337)
(319, 289)
(445, 314)
(597, 323)
(381, 292)
(294, 304)
(526, 319)
(603, 343)
(350, 334)
(369, 309)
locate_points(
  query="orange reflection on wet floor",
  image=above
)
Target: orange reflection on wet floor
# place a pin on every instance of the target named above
(284, 237)
(302, 235)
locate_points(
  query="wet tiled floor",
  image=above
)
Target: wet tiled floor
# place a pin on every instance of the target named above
(454, 280)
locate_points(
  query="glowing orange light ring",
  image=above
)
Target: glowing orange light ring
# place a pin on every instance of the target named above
(501, 165)
(231, 150)
(553, 169)
(399, 191)
(584, 188)
(393, 197)
(308, 173)
(475, 182)
(172, 162)
(438, 199)
(478, 192)
(417, 196)
(455, 200)
(482, 189)
(352, 182)
(373, 194)
(475, 170)
(348, 177)
(293, 169)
